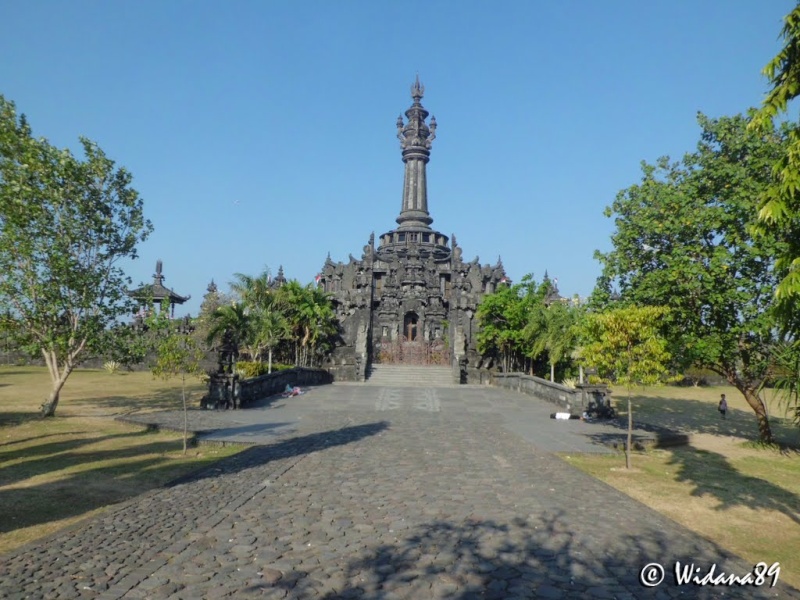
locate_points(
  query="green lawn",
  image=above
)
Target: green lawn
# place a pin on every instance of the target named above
(56, 471)
(744, 497)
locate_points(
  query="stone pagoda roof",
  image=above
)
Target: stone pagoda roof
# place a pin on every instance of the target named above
(157, 291)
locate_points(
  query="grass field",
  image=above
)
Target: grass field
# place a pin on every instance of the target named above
(54, 472)
(744, 497)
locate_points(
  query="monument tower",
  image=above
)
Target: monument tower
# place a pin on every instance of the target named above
(412, 299)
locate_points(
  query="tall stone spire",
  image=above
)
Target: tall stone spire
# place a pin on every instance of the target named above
(415, 139)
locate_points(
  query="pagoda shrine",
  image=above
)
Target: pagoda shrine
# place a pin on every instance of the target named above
(411, 298)
(158, 293)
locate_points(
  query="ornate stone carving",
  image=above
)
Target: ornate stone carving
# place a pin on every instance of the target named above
(414, 283)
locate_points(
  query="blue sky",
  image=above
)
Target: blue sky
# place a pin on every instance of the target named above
(262, 133)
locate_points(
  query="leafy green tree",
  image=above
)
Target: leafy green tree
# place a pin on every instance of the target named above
(176, 355)
(558, 336)
(683, 240)
(270, 329)
(66, 224)
(212, 300)
(310, 316)
(520, 326)
(323, 324)
(779, 208)
(232, 318)
(626, 347)
(502, 318)
(253, 292)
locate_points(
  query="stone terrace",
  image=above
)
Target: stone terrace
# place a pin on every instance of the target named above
(380, 493)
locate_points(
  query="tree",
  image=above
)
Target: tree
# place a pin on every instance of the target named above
(510, 320)
(310, 316)
(626, 347)
(212, 300)
(683, 240)
(270, 330)
(231, 318)
(176, 355)
(253, 291)
(779, 207)
(66, 224)
(558, 336)
(518, 326)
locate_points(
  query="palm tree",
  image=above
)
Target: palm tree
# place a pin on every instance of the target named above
(252, 291)
(290, 302)
(270, 329)
(323, 324)
(560, 336)
(310, 317)
(234, 319)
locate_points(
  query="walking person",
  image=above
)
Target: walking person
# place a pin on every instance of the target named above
(723, 405)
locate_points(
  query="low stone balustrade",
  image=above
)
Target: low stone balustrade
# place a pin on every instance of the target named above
(231, 391)
(584, 397)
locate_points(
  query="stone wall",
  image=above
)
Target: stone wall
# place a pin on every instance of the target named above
(573, 400)
(248, 391)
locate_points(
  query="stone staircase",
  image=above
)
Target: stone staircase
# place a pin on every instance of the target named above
(409, 376)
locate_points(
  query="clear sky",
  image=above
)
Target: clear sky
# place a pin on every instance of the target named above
(262, 133)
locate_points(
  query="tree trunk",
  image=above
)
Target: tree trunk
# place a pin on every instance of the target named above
(757, 404)
(48, 409)
(269, 360)
(630, 434)
(185, 414)
(753, 398)
(552, 373)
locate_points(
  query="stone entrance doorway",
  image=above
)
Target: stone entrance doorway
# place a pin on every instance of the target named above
(410, 326)
(416, 352)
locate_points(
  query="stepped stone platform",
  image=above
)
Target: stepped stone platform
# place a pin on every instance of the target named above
(382, 493)
(410, 376)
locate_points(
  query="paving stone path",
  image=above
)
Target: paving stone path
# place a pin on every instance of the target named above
(378, 494)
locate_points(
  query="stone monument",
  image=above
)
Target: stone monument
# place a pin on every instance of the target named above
(412, 299)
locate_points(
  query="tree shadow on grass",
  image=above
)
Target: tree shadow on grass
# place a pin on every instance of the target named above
(49, 448)
(161, 399)
(14, 418)
(72, 496)
(38, 437)
(696, 416)
(712, 475)
(63, 455)
(673, 422)
(541, 556)
(74, 499)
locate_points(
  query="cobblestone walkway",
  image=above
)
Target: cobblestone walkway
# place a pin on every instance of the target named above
(410, 499)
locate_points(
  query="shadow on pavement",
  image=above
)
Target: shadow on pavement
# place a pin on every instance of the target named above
(288, 448)
(544, 557)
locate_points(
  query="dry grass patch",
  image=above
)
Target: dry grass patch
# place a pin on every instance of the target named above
(56, 471)
(743, 497)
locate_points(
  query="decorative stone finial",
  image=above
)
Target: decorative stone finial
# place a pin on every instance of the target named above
(417, 90)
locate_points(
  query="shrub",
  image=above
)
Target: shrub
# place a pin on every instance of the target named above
(570, 382)
(111, 366)
(248, 369)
